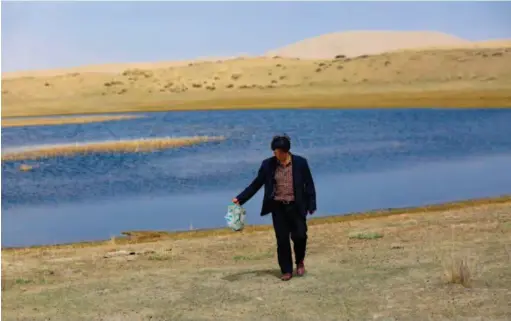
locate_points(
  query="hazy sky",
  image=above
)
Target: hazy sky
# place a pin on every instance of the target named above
(39, 35)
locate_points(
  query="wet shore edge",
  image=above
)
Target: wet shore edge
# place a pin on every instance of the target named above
(138, 237)
(59, 120)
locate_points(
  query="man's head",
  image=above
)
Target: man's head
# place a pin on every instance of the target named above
(280, 145)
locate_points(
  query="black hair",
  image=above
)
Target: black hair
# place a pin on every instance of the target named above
(282, 142)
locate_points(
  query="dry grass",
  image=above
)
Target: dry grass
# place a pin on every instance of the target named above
(479, 77)
(138, 145)
(234, 276)
(15, 122)
(25, 167)
(458, 271)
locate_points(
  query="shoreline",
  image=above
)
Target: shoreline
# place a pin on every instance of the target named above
(8, 122)
(253, 100)
(144, 237)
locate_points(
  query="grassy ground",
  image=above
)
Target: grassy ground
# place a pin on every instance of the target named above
(136, 145)
(49, 121)
(437, 263)
(430, 78)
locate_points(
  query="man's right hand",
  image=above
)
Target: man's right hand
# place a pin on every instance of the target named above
(235, 201)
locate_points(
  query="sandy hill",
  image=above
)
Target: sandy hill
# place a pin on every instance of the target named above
(249, 80)
(328, 46)
(496, 43)
(487, 44)
(108, 68)
(357, 43)
(354, 63)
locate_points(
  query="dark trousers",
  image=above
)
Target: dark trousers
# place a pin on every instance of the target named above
(287, 221)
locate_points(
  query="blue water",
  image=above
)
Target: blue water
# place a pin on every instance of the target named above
(361, 160)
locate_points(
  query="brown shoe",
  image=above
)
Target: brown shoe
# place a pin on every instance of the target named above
(300, 269)
(286, 276)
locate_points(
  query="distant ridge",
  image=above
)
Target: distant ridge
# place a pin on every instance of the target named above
(356, 43)
(327, 46)
(110, 67)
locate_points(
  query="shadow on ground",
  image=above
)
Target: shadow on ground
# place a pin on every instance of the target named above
(254, 273)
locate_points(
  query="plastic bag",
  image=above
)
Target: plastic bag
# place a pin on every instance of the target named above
(235, 217)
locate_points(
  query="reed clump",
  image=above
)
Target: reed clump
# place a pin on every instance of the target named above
(458, 271)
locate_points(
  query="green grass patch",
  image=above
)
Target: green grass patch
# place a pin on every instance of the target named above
(365, 235)
(159, 257)
(23, 281)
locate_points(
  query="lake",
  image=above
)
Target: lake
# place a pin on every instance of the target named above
(360, 160)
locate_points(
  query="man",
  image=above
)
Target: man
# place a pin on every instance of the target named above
(289, 194)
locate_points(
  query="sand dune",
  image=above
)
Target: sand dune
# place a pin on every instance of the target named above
(449, 64)
(327, 46)
(490, 44)
(283, 82)
(357, 43)
(110, 68)
(495, 43)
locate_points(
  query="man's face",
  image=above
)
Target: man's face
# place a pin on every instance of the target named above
(281, 155)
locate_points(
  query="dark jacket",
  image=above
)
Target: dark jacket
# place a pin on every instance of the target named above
(304, 190)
